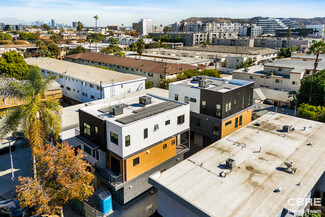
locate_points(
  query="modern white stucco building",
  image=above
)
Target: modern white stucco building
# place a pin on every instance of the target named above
(83, 83)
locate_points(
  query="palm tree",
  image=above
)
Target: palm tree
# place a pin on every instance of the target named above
(316, 48)
(39, 118)
(140, 46)
(96, 18)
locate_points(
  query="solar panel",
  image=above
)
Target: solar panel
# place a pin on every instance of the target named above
(148, 111)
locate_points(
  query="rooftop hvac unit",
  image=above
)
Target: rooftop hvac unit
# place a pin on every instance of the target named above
(286, 128)
(204, 83)
(145, 100)
(230, 163)
(116, 110)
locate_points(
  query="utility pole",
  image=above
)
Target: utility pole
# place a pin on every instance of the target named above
(12, 167)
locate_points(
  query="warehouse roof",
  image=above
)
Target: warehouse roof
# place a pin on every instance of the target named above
(142, 64)
(82, 72)
(259, 150)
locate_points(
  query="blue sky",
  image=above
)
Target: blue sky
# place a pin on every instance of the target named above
(114, 12)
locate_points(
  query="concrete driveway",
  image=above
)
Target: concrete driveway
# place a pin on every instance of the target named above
(22, 161)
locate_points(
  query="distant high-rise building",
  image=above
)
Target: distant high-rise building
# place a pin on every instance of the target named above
(74, 24)
(269, 25)
(53, 23)
(145, 26)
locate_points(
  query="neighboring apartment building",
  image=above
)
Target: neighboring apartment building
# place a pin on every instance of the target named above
(128, 139)
(53, 93)
(272, 167)
(250, 30)
(218, 106)
(145, 26)
(153, 70)
(82, 83)
(320, 29)
(281, 74)
(240, 42)
(296, 33)
(278, 43)
(270, 25)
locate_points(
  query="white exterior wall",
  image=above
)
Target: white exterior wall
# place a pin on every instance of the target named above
(168, 207)
(262, 81)
(136, 131)
(77, 88)
(183, 91)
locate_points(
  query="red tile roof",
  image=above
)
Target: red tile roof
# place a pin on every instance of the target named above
(145, 65)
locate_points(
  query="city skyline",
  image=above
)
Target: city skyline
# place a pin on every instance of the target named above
(127, 12)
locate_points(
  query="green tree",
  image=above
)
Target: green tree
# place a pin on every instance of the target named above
(286, 52)
(312, 90)
(249, 62)
(26, 36)
(140, 46)
(167, 29)
(39, 118)
(113, 41)
(56, 38)
(120, 54)
(13, 65)
(316, 48)
(96, 37)
(80, 26)
(78, 49)
(316, 113)
(148, 85)
(54, 49)
(46, 27)
(289, 32)
(61, 176)
(5, 36)
(3, 42)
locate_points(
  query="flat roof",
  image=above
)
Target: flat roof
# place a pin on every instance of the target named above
(137, 63)
(259, 152)
(231, 49)
(215, 84)
(297, 65)
(70, 114)
(82, 72)
(132, 109)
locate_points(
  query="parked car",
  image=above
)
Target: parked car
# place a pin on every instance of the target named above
(11, 208)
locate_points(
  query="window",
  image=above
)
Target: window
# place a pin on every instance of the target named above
(145, 133)
(249, 99)
(61, 76)
(240, 120)
(228, 123)
(127, 141)
(156, 127)
(164, 146)
(236, 122)
(91, 96)
(294, 82)
(176, 97)
(195, 121)
(150, 74)
(68, 88)
(96, 129)
(278, 81)
(280, 69)
(235, 102)
(216, 129)
(98, 87)
(87, 129)
(84, 94)
(192, 99)
(87, 149)
(186, 99)
(204, 105)
(167, 122)
(91, 85)
(84, 83)
(121, 85)
(180, 119)
(243, 102)
(114, 138)
(136, 161)
(173, 142)
(228, 106)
